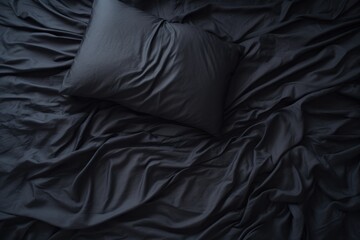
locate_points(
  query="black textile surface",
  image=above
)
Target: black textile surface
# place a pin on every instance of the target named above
(285, 167)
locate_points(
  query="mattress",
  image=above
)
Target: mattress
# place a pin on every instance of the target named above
(283, 164)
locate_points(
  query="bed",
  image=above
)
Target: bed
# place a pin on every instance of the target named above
(254, 134)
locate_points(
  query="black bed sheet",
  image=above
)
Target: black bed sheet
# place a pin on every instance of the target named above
(286, 165)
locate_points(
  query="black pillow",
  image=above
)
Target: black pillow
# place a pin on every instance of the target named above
(169, 70)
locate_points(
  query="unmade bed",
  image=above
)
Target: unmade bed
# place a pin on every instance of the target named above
(182, 119)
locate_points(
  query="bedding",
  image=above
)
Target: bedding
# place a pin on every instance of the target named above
(170, 70)
(284, 165)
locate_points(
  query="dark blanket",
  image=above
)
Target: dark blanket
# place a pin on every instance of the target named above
(285, 166)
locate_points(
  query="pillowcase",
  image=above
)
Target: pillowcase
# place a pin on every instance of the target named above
(169, 70)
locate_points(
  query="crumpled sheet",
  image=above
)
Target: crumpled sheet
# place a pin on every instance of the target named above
(286, 166)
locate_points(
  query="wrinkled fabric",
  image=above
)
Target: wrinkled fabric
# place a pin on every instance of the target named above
(286, 167)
